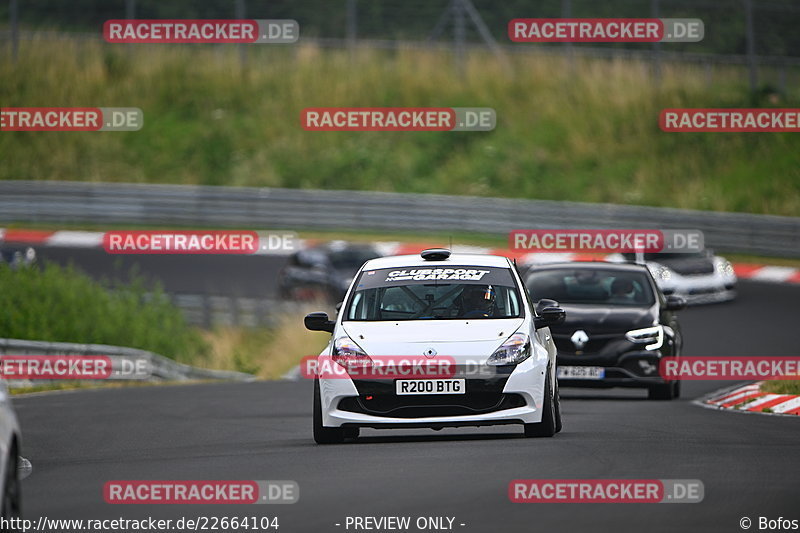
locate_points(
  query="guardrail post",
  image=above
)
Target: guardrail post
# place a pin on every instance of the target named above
(751, 45)
(459, 34)
(235, 311)
(655, 13)
(241, 14)
(13, 13)
(566, 13)
(130, 14)
(352, 28)
(782, 79)
(207, 311)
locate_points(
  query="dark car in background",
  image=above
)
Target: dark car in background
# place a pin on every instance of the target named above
(323, 272)
(618, 325)
(17, 256)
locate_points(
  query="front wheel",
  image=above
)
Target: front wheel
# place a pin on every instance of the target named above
(665, 391)
(12, 497)
(322, 434)
(550, 419)
(558, 408)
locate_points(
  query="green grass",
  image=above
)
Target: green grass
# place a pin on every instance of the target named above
(789, 386)
(60, 304)
(68, 385)
(57, 304)
(588, 134)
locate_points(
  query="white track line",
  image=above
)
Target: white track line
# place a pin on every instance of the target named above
(794, 403)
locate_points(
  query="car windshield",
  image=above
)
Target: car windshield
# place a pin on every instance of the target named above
(591, 286)
(436, 293)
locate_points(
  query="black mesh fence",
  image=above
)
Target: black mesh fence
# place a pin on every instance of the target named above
(775, 22)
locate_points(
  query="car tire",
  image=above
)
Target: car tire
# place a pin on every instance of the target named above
(322, 434)
(558, 408)
(547, 427)
(665, 391)
(12, 494)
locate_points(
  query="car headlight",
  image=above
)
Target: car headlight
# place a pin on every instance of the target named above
(724, 267)
(660, 273)
(654, 336)
(349, 354)
(515, 350)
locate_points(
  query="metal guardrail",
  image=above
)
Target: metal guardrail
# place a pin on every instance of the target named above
(209, 311)
(274, 208)
(150, 366)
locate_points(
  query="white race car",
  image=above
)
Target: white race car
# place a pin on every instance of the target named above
(436, 340)
(699, 278)
(9, 457)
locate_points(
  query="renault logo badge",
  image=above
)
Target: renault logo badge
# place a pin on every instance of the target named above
(579, 339)
(430, 353)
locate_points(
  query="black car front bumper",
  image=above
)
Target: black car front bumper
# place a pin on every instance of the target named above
(634, 369)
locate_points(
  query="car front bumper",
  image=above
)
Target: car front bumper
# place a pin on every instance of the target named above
(519, 390)
(701, 289)
(635, 369)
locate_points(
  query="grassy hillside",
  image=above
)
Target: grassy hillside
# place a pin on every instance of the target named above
(588, 133)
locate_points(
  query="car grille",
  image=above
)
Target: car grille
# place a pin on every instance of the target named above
(696, 269)
(596, 343)
(704, 290)
(431, 406)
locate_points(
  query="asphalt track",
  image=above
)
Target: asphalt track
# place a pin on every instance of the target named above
(749, 464)
(251, 276)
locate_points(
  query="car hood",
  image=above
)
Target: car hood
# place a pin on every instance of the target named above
(689, 265)
(603, 319)
(446, 337)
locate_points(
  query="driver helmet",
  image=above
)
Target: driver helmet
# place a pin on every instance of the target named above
(480, 297)
(622, 287)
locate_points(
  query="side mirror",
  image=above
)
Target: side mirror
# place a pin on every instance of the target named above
(675, 303)
(543, 303)
(550, 316)
(319, 322)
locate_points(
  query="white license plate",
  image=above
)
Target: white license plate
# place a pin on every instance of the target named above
(581, 372)
(430, 386)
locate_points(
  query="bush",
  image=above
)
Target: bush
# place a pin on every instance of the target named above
(57, 304)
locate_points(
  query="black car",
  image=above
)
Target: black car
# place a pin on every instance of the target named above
(618, 325)
(323, 272)
(17, 256)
